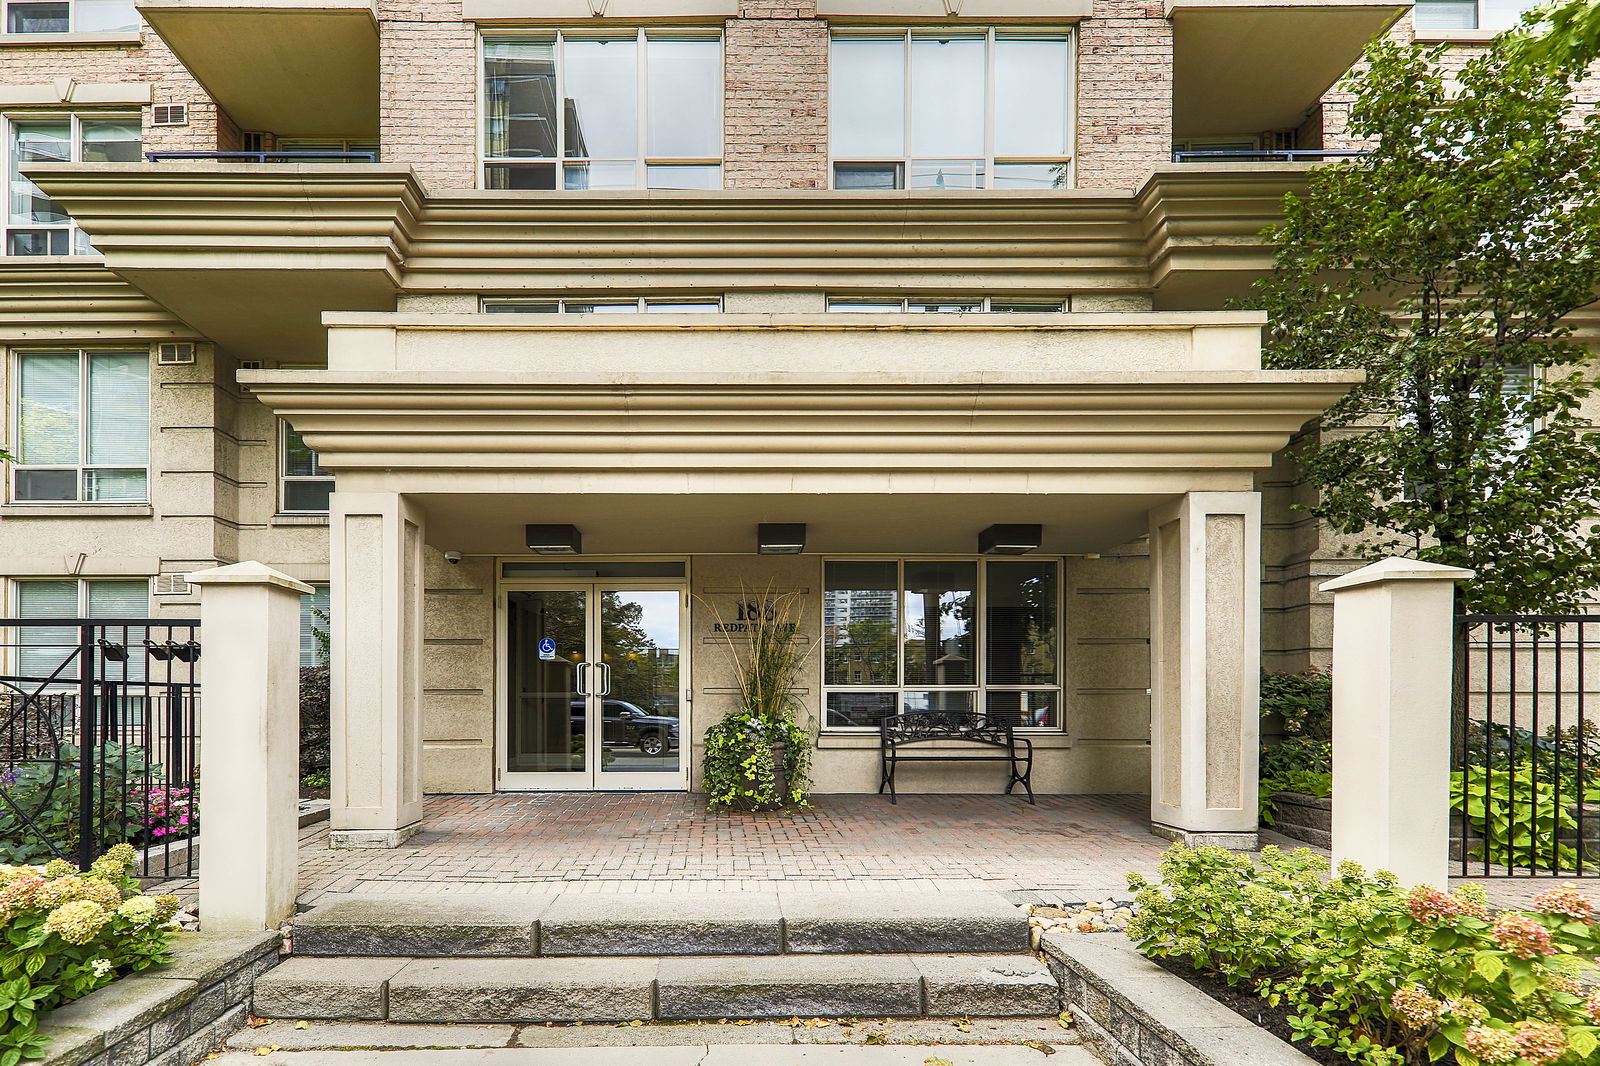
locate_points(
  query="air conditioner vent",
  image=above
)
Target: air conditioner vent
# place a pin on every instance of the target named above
(172, 585)
(170, 115)
(175, 353)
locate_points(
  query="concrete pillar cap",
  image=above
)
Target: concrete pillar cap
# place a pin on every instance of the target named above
(248, 573)
(1395, 568)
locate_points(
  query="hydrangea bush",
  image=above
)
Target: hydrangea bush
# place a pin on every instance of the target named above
(1382, 975)
(68, 933)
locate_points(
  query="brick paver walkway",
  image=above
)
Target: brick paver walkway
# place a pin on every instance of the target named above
(1065, 847)
(1076, 846)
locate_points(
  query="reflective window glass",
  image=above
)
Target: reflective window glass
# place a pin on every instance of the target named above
(600, 98)
(940, 604)
(860, 621)
(685, 98)
(1021, 615)
(867, 88)
(83, 426)
(947, 96)
(1030, 120)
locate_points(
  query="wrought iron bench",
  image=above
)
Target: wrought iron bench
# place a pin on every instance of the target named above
(898, 731)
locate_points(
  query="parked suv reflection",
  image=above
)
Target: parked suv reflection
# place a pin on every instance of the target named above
(624, 725)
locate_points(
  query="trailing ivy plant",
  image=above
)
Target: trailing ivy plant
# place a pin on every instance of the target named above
(740, 768)
(1446, 265)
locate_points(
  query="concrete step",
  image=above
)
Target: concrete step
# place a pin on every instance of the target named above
(588, 988)
(735, 923)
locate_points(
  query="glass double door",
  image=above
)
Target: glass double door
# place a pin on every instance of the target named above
(593, 682)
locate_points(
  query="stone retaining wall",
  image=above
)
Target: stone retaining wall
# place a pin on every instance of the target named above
(1303, 817)
(169, 1015)
(1131, 1012)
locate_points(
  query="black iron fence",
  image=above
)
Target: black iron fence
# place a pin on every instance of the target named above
(1525, 780)
(99, 732)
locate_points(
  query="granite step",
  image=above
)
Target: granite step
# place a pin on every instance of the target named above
(735, 923)
(625, 988)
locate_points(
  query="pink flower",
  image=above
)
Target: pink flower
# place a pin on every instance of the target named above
(1540, 1042)
(1428, 904)
(1522, 936)
(1492, 1045)
(1415, 1007)
(1566, 901)
(1593, 1007)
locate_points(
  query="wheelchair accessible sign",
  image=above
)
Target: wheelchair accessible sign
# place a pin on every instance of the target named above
(547, 649)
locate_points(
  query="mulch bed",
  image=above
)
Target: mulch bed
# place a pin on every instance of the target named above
(1243, 1001)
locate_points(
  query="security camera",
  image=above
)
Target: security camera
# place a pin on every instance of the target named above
(452, 557)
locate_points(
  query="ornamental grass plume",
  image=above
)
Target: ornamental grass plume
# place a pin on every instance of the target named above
(1522, 936)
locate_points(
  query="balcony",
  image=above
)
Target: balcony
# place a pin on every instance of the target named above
(306, 68)
(1244, 66)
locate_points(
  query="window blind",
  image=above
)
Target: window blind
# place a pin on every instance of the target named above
(48, 414)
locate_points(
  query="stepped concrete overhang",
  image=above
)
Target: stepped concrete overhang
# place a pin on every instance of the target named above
(306, 68)
(1244, 65)
(252, 255)
(661, 434)
(76, 300)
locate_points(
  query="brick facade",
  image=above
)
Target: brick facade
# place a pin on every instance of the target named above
(1124, 97)
(775, 97)
(150, 61)
(428, 94)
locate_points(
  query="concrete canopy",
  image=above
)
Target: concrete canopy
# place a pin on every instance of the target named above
(297, 68)
(1242, 66)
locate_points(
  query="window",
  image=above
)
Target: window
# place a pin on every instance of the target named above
(934, 109)
(41, 648)
(36, 224)
(333, 146)
(314, 616)
(640, 110)
(82, 426)
(306, 486)
(550, 305)
(949, 305)
(910, 635)
(1496, 15)
(70, 16)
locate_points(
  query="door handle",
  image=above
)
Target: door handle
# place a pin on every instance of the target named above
(581, 683)
(605, 679)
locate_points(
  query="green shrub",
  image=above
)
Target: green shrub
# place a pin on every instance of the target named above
(1380, 975)
(315, 733)
(67, 934)
(1304, 703)
(48, 792)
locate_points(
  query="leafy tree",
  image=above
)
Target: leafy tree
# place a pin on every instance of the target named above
(1446, 265)
(1563, 33)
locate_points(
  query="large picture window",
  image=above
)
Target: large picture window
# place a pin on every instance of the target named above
(82, 426)
(951, 109)
(902, 636)
(71, 16)
(36, 224)
(41, 648)
(592, 111)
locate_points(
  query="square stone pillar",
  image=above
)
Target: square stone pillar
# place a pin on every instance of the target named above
(1205, 668)
(249, 745)
(1393, 660)
(375, 669)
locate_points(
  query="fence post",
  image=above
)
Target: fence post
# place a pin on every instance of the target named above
(1393, 658)
(249, 745)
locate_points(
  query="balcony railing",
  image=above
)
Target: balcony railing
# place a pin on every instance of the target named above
(268, 157)
(1280, 155)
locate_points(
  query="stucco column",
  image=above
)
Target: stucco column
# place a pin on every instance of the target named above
(375, 668)
(249, 745)
(1392, 665)
(1205, 667)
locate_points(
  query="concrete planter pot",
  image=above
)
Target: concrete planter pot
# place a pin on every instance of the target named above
(1305, 818)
